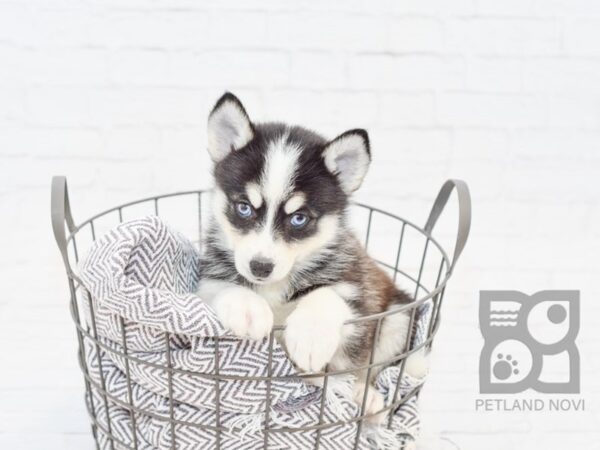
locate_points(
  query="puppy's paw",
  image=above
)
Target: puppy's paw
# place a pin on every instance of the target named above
(310, 343)
(417, 364)
(314, 329)
(373, 404)
(244, 312)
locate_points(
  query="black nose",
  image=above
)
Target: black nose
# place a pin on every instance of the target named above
(261, 268)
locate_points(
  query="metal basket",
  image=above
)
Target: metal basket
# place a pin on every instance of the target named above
(426, 270)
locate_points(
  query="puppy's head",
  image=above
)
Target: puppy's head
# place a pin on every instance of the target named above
(281, 191)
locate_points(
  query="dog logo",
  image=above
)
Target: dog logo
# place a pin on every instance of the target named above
(529, 342)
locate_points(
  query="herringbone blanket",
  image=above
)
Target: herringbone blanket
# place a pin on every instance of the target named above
(140, 278)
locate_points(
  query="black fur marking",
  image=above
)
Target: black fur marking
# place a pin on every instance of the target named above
(342, 260)
(217, 262)
(244, 224)
(320, 187)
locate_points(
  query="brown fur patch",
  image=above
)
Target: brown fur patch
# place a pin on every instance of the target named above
(377, 293)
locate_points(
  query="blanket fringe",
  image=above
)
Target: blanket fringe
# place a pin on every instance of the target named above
(339, 388)
(247, 424)
(383, 439)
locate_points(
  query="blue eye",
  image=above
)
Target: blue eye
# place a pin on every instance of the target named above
(299, 220)
(243, 209)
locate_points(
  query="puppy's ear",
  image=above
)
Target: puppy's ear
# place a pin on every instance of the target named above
(229, 127)
(348, 157)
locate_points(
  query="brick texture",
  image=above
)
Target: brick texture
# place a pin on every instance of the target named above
(502, 93)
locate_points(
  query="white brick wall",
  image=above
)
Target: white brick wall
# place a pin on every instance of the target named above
(114, 94)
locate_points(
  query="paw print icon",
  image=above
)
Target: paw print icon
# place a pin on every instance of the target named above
(505, 367)
(529, 342)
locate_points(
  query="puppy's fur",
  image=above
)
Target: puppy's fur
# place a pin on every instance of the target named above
(279, 249)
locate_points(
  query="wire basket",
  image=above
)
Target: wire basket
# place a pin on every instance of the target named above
(409, 253)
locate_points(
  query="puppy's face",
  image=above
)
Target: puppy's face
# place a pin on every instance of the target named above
(281, 191)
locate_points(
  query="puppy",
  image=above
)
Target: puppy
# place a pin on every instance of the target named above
(279, 249)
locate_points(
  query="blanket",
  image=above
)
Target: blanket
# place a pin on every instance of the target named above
(140, 280)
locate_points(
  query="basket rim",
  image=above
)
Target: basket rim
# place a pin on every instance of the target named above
(441, 284)
(428, 235)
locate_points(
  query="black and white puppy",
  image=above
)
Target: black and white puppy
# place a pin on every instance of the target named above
(279, 249)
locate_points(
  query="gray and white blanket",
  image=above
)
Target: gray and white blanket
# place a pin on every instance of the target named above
(140, 278)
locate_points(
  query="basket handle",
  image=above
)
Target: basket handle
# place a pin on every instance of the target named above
(464, 213)
(60, 210)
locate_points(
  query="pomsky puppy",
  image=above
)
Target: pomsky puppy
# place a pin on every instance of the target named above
(279, 249)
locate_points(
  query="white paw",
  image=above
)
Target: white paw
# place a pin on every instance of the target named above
(311, 342)
(373, 404)
(417, 364)
(244, 312)
(314, 329)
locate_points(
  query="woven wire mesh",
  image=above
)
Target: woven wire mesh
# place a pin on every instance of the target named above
(407, 252)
